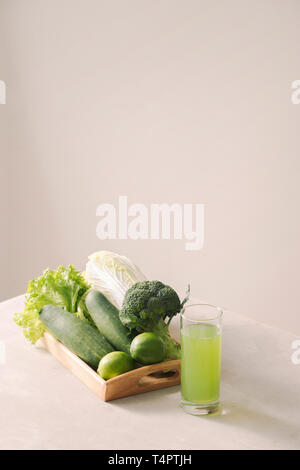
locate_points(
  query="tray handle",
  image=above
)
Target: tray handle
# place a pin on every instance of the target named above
(159, 377)
(144, 379)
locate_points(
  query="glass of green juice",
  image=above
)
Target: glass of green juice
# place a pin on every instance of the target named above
(200, 331)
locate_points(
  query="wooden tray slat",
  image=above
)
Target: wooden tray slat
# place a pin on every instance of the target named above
(143, 379)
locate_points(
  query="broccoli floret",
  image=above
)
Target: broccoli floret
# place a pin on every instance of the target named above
(150, 306)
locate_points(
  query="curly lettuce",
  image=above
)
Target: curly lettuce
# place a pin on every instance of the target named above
(63, 287)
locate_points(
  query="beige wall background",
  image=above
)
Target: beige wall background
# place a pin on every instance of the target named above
(162, 101)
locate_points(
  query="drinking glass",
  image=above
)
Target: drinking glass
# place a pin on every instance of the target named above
(200, 331)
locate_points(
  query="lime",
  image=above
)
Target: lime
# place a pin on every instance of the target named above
(147, 348)
(114, 363)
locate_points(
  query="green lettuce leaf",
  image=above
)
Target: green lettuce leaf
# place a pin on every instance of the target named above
(63, 287)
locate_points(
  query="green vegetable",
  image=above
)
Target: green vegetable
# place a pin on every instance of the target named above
(63, 287)
(115, 363)
(146, 307)
(106, 318)
(112, 274)
(147, 348)
(81, 338)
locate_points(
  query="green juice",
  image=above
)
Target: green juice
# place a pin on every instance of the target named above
(200, 363)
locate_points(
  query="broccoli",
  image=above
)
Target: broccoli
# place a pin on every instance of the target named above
(146, 307)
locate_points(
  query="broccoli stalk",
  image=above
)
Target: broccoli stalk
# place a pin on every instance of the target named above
(150, 306)
(161, 329)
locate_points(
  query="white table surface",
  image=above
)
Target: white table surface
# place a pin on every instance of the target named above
(43, 406)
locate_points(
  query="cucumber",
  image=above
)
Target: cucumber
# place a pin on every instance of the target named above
(81, 338)
(106, 318)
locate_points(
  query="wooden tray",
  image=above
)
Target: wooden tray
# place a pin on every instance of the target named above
(144, 379)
